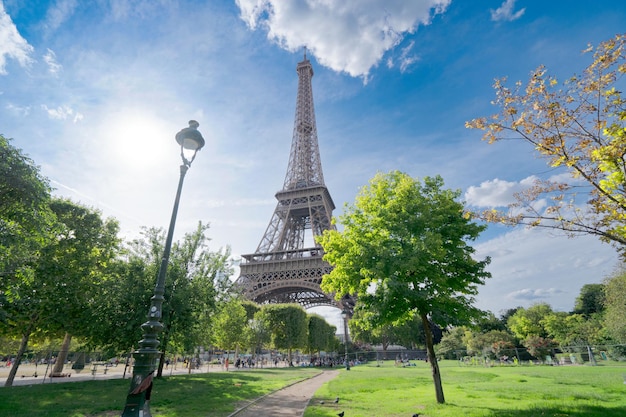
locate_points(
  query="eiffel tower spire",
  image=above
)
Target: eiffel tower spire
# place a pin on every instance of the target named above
(305, 167)
(286, 266)
(304, 202)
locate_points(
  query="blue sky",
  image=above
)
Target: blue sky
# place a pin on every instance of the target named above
(95, 91)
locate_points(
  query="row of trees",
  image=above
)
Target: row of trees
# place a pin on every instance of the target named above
(597, 320)
(247, 326)
(66, 275)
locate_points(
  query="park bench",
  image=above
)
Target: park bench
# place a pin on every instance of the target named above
(94, 367)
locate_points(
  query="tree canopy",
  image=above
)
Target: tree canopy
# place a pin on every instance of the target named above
(578, 126)
(615, 311)
(590, 300)
(404, 252)
(54, 297)
(287, 324)
(26, 221)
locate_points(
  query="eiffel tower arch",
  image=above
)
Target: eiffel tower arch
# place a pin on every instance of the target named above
(287, 266)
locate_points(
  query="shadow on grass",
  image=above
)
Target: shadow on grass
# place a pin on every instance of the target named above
(215, 394)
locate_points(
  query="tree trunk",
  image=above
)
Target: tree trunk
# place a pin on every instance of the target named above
(57, 370)
(166, 337)
(432, 359)
(162, 357)
(18, 359)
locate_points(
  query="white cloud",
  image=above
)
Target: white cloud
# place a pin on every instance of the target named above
(21, 111)
(12, 44)
(63, 113)
(531, 265)
(50, 58)
(533, 295)
(505, 12)
(406, 58)
(497, 192)
(348, 36)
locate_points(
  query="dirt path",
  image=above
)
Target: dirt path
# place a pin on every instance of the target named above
(287, 402)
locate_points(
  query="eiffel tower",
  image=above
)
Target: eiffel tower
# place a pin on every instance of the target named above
(286, 266)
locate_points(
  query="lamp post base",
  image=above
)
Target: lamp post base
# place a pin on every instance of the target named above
(138, 398)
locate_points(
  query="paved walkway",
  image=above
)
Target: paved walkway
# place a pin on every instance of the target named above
(287, 402)
(26, 373)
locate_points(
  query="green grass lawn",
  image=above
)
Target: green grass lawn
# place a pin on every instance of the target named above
(500, 391)
(364, 391)
(212, 394)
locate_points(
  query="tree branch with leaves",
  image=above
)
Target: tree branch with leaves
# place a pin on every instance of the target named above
(578, 126)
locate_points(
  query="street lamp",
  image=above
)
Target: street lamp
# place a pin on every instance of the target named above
(344, 314)
(146, 357)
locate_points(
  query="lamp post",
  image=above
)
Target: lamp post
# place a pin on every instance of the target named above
(344, 314)
(146, 356)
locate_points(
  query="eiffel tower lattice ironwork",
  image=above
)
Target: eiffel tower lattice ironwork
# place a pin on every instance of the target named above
(286, 267)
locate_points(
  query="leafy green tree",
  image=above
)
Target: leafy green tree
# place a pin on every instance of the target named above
(251, 308)
(409, 333)
(260, 333)
(490, 322)
(573, 329)
(365, 330)
(320, 334)
(615, 302)
(528, 321)
(404, 251)
(230, 326)
(590, 300)
(288, 326)
(125, 295)
(26, 222)
(190, 292)
(452, 345)
(579, 127)
(492, 342)
(59, 291)
(538, 346)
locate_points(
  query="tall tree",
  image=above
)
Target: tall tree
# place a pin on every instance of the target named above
(288, 326)
(452, 345)
(527, 322)
(26, 222)
(125, 298)
(573, 329)
(491, 342)
(260, 333)
(319, 333)
(230, 327)
(578, 127)
(615, 302)
(190, 292)
(61, 287)
(404, 251)
(590, 300)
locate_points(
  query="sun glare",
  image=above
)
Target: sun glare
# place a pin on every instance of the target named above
(140, 140)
